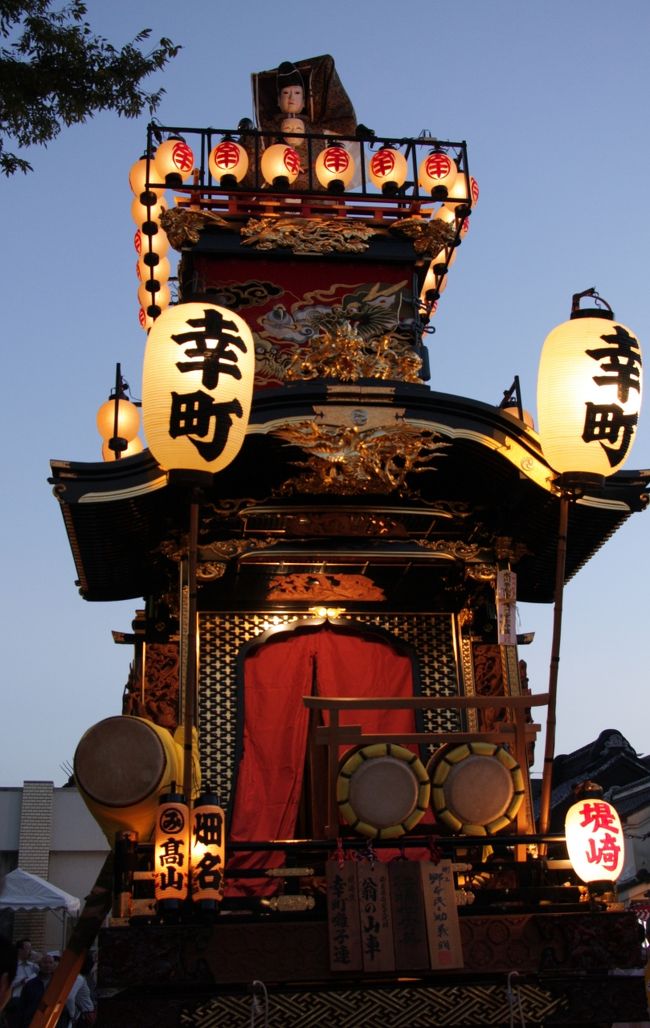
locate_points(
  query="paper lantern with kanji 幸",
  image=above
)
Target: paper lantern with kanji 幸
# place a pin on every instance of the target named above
(173, 161)
(280, 165)
(589, 393)
(594, 839)
(199, 366)
(334, 168)
(387, 169)
(437, 173)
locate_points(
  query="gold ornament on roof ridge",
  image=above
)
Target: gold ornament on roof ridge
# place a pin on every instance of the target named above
(344, 354)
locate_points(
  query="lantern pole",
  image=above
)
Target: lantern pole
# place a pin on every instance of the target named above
(189, 699)
(549, 740)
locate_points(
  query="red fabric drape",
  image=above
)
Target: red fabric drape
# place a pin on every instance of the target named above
(276, 677)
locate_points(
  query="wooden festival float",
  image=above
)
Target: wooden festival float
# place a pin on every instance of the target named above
(317, 793)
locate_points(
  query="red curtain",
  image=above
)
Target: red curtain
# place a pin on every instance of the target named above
(276, 677)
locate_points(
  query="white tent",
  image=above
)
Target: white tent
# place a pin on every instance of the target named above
(21, 890)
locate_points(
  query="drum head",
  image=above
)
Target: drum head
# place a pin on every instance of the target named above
(119, 761)
(477, 789)
(382, 790)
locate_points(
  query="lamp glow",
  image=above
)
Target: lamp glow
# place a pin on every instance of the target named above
(589, 393)
(148, 211)
(334, 168)
(151, 265)
(142, 173)
(174, 161)
(228, 162)
(387, 169)
(133, 446)
(437, 173)
(594, 839)
(156, 242)
(208, 850)
(280, 165)
(172, 849)
(199, 366)
(157, 297)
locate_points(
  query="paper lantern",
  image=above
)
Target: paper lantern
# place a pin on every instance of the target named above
(334, 168)
(159, 297)
(128, 419)
(132, 447)
(280, 165)
(208, 850)
(145, 320)
(589, 393)
(151, 242)
(174, 161)
(387, 169)
(594, 839)
(437, 173)
(141, 175)
(149, 211)
(153, 266)
(172, 848)
(228, 163)
(197, 387)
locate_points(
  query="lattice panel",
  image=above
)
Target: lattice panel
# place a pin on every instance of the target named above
(392, 1008)
(223, 634)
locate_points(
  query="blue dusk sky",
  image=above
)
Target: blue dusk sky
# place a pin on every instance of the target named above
(552, 98)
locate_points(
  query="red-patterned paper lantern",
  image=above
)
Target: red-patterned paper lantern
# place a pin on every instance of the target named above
(387, 169)
(280, 165)
(199, 366)
(437, 173)
(174, 161)
(594, 838)
(154, 294)
(334, 168)
(154, 243)
(228, 163)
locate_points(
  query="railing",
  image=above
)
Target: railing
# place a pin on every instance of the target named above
(361, 199)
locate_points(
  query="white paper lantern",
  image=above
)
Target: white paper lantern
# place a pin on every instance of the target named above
(437, 173)
(156, 242)
(141, 175)
(197, 387)
(387, 169)
(142, 213)
(589, 394)
(146, 268)
(334, 168)
(280, 164)
(148, 297)
(594, 839)
(228, 160)
(174, 161)
(132, 447)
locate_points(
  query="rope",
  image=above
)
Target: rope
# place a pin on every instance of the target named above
(514, 1001)
(259, 1003)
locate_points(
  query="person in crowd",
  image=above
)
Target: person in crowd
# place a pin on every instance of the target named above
(33, 991)
(8, 962)
(26, 969)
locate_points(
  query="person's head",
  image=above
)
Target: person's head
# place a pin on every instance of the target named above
(291, 91)
(8, 962)
(46, 965)
(293, 131)
(24, 948)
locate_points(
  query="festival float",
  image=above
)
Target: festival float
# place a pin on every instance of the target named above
(318, 792)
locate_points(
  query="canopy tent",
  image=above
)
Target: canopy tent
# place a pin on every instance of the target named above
(21, 890)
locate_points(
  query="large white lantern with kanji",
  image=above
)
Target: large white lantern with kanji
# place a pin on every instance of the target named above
(594, 838)
(589, 393)
(197, 388)
(173, 161)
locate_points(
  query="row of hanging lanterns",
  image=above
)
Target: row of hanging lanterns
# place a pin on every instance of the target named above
(170, 166)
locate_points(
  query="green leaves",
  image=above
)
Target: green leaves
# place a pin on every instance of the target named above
(54, 72)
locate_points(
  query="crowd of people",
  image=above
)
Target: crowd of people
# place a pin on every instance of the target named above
(24, 978)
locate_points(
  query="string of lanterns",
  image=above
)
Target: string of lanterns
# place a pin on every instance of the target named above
(170, 166)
